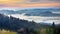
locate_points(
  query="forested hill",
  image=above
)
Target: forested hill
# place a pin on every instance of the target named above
(15, 24)
(11, 23)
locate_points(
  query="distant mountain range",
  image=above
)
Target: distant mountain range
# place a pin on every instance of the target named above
(33, 12)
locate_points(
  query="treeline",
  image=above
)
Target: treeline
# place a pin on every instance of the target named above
(17, 25)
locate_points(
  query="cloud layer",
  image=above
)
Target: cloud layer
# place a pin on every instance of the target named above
(38, 19)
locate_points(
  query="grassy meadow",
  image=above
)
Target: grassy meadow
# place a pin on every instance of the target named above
(7, 32)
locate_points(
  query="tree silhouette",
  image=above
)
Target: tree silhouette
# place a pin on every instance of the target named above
(53, 26)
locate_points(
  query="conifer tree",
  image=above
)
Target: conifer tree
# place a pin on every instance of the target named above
(53, 26)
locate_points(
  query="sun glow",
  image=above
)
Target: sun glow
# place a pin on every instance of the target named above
(24, 3)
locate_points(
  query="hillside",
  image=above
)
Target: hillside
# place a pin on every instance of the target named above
(11, 23)
(24, 26)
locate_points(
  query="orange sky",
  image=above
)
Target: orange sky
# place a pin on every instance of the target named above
(25, 3)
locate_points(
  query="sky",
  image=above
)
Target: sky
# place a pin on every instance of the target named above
(29, 3)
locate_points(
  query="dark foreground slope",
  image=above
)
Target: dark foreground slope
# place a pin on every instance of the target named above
(11, 23)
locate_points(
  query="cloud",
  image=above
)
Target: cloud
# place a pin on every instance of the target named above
(38, 19)
(2, 5)
(35, 0)
(42, 1)
(55, 0)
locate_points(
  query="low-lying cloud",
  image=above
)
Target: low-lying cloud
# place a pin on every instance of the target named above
(38, 19)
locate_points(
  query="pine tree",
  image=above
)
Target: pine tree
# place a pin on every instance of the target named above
(53, 26)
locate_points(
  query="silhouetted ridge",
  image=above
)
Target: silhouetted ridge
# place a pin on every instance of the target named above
(11, 23)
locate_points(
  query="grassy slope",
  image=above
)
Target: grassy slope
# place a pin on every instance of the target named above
(6, 32)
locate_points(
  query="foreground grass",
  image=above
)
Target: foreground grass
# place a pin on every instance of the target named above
(41, 31)
(7, 32)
